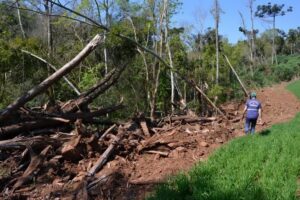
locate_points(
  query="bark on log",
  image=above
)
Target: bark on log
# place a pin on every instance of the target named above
(155, 141)
(22, 142)
(189, 119)
(69, 150)
(52, 79)
(103, 158)
(35, 164)
(165, 154)
(11, 131)
(87, 97)
(145, 129)
(86, 116)
(107, 132)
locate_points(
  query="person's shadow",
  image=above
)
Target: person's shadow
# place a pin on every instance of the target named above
(265, 132)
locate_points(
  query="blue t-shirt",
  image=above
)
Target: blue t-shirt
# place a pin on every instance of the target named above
(253, 106)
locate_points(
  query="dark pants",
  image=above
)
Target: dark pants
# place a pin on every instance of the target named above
(250, 125)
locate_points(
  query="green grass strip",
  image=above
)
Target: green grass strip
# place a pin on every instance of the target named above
(265, 166)
(295, 88)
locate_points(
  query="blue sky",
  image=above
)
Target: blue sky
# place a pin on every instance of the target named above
(195, 14)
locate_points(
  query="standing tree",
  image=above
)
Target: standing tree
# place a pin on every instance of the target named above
(216, 10)
(20, 19)
(272, 11)
(253, 32)
(250, 34)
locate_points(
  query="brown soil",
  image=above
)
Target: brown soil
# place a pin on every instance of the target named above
(134, 175)
(279, 105)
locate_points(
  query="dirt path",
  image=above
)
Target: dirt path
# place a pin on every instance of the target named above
(278, 104)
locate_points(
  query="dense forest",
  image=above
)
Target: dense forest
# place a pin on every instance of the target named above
(159, 63)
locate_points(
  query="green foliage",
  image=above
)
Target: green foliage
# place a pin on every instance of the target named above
(264, 166)
(294, 88)
(287, 68)
(216, 91)
(90, 77)
(120, 47)
(270, 10)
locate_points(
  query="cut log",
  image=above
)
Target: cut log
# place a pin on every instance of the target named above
(154, 141)
(86, 116)
(145, 129)
(35, 163)
(103, 158)
(69, 150)
(87, 97)
(53, 78)
(22, 142)
(189, 119)
(57, 120)
(165, 154)
(11, 131)
(107, 132)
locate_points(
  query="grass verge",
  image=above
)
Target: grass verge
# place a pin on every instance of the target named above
(265, 166)
(295, 88)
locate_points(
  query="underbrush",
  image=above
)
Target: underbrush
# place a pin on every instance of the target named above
(265, 75)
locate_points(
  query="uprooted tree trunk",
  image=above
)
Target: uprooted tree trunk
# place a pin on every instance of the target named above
(88, 96)
(53, 78)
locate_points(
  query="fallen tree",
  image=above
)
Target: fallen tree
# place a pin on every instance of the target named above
(97, 40)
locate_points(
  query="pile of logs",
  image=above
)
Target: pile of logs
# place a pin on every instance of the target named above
(44, 158)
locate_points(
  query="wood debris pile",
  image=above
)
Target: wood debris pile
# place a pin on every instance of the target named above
(69, 164)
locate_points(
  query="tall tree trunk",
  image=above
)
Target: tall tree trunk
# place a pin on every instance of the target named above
(20, 19)
(166, 4)
(217, 20)
(142, 53)
(107, 24)
(48, 11)
(156, 73)
(253, 56)
(249, 42)
(274, 56)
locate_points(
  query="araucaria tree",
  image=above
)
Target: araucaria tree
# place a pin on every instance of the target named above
(272, 11)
